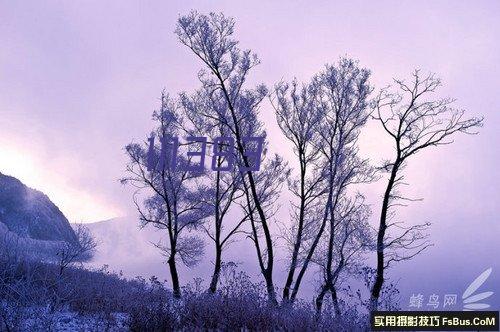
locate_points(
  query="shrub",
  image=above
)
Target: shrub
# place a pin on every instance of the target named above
(36, 294)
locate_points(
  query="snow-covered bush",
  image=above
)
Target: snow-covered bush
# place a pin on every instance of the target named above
(35, 294)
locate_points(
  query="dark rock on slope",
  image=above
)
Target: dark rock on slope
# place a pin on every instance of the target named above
(30, 214)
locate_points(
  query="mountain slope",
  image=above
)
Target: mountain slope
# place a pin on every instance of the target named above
(30, 214)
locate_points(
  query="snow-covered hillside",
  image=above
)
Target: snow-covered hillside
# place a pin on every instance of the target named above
(31, 214)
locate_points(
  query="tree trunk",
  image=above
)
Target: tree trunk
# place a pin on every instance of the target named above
(333, 172)
(271, 292)
(335, 301)
(268, 272)
(218, 228)
(175, 277)
(217, 267)
(379, 278)
(310, 253)
(298, 239)
(293, 264)
(319, 299)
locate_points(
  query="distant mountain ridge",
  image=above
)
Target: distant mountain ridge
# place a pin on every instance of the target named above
(29, 213)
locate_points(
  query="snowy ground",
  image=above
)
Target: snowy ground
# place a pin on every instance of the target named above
(43, 319)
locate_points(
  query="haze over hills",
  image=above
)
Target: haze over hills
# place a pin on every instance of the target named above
(29, 219)
(124, 246)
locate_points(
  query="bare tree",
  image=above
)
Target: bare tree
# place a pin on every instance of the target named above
(415, 121)
(341, 103)
(225, 180)
(299, 117)
(345, 103)
(178, 197)
(70, 253)
(209, 37)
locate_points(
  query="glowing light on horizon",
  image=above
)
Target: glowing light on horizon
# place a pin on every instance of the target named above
(75, 204)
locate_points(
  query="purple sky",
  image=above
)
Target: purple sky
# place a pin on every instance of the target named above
(80, 80)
